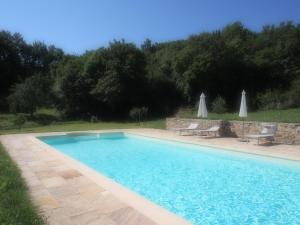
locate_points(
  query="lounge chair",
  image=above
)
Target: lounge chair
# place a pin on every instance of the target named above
(267, 132)
(191, 127)
(213, 129)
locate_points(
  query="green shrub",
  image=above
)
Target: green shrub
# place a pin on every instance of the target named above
(144, 112)
(134, 113)
(293, 95)
(20, 120)
(219, 105)
(270, 100)
(138, 114)
(26, 97)
(94, 119)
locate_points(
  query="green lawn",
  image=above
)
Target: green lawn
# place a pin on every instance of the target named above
(288, 115)
(82, 125)
(46, 120)
(50, 120)
(15, 205)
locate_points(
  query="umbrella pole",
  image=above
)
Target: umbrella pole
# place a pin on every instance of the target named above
(243, 128)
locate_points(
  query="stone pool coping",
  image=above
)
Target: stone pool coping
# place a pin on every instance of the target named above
(68, 192)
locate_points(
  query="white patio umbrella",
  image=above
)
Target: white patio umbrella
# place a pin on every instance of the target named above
(243, 109)
(202, 110)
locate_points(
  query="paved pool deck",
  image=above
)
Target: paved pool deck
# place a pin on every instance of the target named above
(69, 193)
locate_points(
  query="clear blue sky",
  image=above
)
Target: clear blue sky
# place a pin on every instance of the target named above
(79, 25)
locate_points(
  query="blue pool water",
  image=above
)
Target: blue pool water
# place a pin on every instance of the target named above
(202, 184)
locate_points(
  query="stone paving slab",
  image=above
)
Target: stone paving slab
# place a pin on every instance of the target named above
(67, 195)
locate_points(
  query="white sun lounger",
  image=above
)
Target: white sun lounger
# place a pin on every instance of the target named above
(191, 127)
(214, 129)
(267, 132)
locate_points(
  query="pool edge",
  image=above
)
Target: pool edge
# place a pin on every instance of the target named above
(151, 210)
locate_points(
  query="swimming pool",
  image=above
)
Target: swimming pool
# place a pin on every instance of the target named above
(202, 184)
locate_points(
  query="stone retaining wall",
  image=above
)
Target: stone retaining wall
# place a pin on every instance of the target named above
(288, 133)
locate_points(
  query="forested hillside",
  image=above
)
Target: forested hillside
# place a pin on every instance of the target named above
(110, 81)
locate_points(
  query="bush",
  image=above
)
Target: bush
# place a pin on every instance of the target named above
(94, 119)
(144, 112)
(26, 97)
(138, 114)
(43, 119)
(270, 100)
(293, 95)
(134, 113)
(20, 120)
(219, 105)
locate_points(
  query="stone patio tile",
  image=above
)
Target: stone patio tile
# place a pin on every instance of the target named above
(91, 196)
(39, 168)
(103, 221)
(46, 174)
(108, 204)
(32, 181)
(90, 188)
(80, 181)
(91, 192)
(46, 157)
(63, 191)
(54, 163)
(27, 174)
(74, 205)
(46, 202)
(39, 193)
(92, 218)
(60, 168)
(55, 217)
(37, 187)
(35, 163)
(129, 216)
(53, 182)
(69, 174)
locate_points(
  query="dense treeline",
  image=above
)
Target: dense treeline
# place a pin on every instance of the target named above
(109, 82)
(20, 60)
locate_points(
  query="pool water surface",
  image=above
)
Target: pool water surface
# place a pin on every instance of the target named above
(201, 184)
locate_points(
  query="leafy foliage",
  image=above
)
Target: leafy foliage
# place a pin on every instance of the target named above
(28, 96)
(20, 60)
(219, 105)
(94, 119)
(109, 82)
(270, 100)
(20, 120)
(293, 95)
(138, 114)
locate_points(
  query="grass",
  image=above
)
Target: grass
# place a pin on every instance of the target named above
(286, 116)
(16, 207)
(50, 121)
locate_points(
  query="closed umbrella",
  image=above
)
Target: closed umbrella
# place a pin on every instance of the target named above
(202, 110)
(243, 109)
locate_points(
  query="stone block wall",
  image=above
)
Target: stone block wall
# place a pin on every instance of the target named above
(288, 133)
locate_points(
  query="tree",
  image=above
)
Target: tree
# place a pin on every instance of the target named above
(20, 60)
(110, 81)
(72, 89)
(121, 77)
(26, 97)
